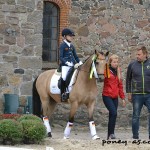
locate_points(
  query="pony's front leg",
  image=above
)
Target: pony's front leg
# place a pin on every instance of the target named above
(91, 121)
(69, 126)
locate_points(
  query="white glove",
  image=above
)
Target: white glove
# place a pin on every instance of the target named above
(80, 63)
(69, 64)
(76, 65)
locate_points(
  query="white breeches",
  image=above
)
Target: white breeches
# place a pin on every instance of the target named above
(65, 70)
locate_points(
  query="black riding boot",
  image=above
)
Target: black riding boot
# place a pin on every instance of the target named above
(64, 95)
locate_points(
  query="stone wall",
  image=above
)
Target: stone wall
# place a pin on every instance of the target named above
(20, 45)
(116, 25)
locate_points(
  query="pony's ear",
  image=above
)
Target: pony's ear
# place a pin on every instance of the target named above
(96, 52)
(107, 53)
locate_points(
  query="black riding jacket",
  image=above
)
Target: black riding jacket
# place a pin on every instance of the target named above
(68, 54)
(138, 77)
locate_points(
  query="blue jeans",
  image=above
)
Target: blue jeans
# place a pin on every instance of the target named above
(138, 101)
(112, 105)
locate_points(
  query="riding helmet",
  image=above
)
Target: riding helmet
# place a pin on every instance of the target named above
(67, 31)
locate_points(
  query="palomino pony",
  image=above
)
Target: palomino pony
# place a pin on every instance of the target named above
(84, 91)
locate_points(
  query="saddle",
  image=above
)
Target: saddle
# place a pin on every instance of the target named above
(55, 84)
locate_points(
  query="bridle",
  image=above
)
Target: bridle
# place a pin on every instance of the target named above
(92, 66)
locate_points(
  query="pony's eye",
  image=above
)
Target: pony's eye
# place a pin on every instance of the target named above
(96, 63)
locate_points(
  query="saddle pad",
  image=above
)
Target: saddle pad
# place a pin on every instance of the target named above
(54, 83)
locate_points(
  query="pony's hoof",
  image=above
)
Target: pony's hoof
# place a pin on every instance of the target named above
(65, 138)
(49, 134)
(95, 137)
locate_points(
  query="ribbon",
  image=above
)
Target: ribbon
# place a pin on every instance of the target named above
(93, 68)
(107, 71)
(91, 73)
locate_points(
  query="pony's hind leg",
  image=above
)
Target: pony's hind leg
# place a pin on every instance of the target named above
(48, 106)
(90, 107)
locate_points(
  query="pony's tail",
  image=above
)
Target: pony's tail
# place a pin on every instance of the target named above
(36, 100)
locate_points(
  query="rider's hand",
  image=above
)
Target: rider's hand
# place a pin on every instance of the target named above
(80, 63)
(76, 65)
(69, 64)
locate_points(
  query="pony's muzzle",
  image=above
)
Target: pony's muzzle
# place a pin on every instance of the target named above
(100, 78)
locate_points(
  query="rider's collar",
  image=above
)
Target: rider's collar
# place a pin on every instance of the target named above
(67, 42)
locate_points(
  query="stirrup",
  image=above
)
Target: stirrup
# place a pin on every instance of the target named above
(95, 137)
(64, 97)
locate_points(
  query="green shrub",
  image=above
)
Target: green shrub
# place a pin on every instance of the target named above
(29, 117)
(33, 131)
(11, 131)
(27, 128)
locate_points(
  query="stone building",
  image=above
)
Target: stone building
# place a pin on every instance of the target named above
(30, 33)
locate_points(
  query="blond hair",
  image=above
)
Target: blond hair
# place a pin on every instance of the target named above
(111, 58)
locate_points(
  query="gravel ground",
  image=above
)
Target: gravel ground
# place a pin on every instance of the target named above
(81, 140)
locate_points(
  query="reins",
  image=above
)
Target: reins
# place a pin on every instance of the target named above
(79, 69)
(93, 62)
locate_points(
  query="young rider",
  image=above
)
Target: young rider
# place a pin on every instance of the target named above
(68, 58)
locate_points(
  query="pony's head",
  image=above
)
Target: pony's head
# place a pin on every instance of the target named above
(100, 62)
(95, 64)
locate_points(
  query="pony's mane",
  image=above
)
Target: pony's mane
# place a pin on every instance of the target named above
(91, 56)
(87, 58)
